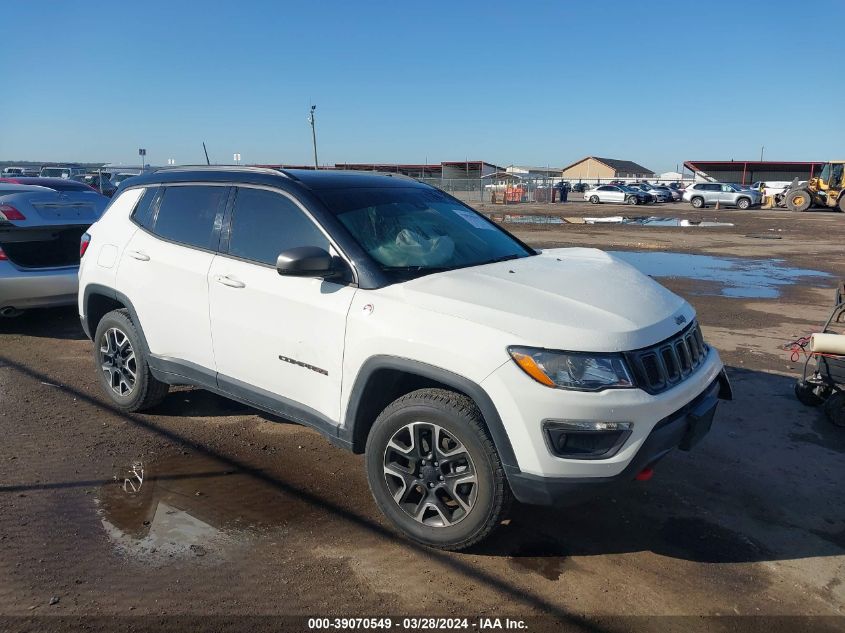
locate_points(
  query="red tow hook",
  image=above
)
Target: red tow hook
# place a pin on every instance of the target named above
(645, 474)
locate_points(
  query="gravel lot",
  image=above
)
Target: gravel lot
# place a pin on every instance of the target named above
(241, 513)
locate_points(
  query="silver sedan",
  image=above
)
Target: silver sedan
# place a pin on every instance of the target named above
(40, 231)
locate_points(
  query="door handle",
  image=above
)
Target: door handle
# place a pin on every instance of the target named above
(229, 281)
(139, 255)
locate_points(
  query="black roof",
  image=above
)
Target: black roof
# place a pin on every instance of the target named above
(307, 178)
(619, 166)
(624, 166)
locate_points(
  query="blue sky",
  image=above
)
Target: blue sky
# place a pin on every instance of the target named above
(509, 82)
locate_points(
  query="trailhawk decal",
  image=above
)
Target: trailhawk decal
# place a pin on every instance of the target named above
(299, 363)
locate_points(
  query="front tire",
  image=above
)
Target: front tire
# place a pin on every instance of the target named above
(633, 200)
(798, 200)
(841, 203)
(594, 199)
(697, 202)
(434, 472)
(121, 364)
(743, 204)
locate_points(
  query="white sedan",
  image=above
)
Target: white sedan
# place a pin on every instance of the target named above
(615, 193)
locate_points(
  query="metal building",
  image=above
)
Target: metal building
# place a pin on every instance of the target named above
(750, 171)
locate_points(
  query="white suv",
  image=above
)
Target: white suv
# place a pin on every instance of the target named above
(397, 321)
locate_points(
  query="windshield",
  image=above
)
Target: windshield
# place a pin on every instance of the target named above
(825, 175)
(415, 230)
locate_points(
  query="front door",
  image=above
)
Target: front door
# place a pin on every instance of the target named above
(283, 336)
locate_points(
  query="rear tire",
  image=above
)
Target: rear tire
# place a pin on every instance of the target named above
(834, 408)
(420, 452)
(807, 394)
(841, 204)
(798, 200)
(594, 199)
(120, 360)
(633, 200)
(697, 202)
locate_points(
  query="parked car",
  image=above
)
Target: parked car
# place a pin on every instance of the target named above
(40, 229)
(61, 171)
(11, 171)
(702, 194)
(120, 177)
(660, 194)
(57, 184)
(580, 187)
(415, 331)
(616, 193)
(99, 182)
(677, 194)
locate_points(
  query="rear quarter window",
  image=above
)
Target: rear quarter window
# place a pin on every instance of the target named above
(144, 212)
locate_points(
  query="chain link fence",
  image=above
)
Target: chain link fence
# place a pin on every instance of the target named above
(516, 191)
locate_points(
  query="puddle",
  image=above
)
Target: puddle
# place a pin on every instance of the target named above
(190, 506)
(732, 276)
(518, 218)
(653, 221)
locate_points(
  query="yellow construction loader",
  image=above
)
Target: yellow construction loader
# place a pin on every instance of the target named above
(825, 190)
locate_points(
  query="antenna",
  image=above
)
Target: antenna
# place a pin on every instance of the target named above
(207, 162)
(311, 120)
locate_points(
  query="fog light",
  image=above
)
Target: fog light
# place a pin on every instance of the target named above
(576, 439)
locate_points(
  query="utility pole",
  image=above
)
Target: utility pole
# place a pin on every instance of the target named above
(312, 121)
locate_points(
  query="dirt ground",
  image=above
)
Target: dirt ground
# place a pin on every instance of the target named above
(244, 514)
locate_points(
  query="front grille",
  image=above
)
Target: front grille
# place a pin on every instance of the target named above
(670, 362)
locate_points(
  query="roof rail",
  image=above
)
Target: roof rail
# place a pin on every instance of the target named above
(263, 170)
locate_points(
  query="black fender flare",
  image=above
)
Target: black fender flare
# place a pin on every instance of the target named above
(111, 293)
(431, 372)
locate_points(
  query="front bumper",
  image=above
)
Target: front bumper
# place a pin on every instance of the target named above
(524, 405)
(682, 429)
(37, 288)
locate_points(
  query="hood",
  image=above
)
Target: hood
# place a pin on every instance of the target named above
(578, 299)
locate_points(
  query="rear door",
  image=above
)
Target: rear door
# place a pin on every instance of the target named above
(614, 194)
(164, 270)
(281, 335)
(727, 195)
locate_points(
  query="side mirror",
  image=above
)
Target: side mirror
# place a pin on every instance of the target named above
(305, 261)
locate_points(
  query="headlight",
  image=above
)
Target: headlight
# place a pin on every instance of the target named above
(573, 370)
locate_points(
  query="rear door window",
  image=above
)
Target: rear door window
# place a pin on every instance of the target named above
(191, 214)
(265, 223)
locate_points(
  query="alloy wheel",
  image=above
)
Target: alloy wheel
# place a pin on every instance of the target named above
(118, 362)
(430, 474)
